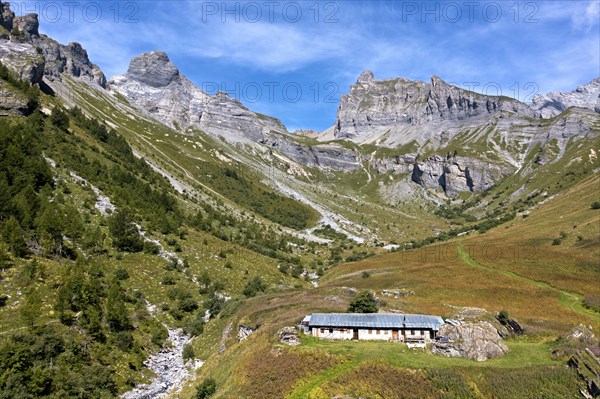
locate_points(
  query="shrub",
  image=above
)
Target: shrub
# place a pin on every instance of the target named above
(60, 119)
(556, 241)
(595, 205)
(188, 304)
(195, 325)
(365, 274)
(254, 286)
(168, 280)
(124, 232)
(121, 274)
(151, 248)
(158, 335)
(188, 353)
(206, 389)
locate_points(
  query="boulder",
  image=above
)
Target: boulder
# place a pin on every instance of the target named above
(289, 336)
(478, 341)
(244, 332)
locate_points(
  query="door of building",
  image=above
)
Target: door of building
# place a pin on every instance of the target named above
(395, 335)
(355, 333)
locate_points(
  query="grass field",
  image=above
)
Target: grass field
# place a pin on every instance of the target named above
(513, 267)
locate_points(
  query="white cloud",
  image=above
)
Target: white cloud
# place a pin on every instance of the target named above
(586, 16)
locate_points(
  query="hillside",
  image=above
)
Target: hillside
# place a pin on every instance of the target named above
(513, 267)
(155, 238)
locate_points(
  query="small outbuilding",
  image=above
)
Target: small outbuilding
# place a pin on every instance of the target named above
(414, 329)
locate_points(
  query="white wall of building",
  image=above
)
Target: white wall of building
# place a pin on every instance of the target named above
(418, 334)
(375, 335)
(371, 334)
(332, 333)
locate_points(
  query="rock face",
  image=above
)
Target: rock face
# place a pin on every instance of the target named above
(289, 336)
(457, 174)
(477, 341)
(553, 103)
(23, 60)
(33, 56)
(375, 106)
(12, 102)
(327, 155)
(155, 85)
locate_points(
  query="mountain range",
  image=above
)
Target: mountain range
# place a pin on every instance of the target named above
(139, 209)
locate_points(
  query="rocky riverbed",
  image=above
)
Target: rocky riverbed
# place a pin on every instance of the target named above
(171, 372)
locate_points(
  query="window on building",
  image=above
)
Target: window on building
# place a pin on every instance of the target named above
(331, 331)
(378, 332)
(370, 331)
(322, 331)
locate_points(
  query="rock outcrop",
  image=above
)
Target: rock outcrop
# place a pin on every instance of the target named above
(553, 103)
(23, 60)
(12, 102)
(289, 336)
(32, 56)
(478, 341)
(244, 332)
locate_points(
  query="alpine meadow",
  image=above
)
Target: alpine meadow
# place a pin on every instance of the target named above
(256, 206)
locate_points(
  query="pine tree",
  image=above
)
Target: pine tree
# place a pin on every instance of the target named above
(32, 308)
(124, 232)
(116, 312)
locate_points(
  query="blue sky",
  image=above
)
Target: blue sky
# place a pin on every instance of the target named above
(293, 60)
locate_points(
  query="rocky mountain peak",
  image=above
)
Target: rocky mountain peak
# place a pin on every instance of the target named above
(436, 82)
(154, 69)
(365, 77)
(374, 107)
(553, 103)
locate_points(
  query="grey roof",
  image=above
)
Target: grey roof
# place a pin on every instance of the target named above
(375, 320)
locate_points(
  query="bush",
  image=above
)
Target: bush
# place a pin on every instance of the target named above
(188, 304)
(254, 286)
(151, 248)
(595, 205)
(158, 335)
(556, 241)
(592, 302)
(60, 119)
(188, 353)
(363, 303)
(365, 274)
(121, 274)
(195, 325)
(168, 280)
(206, 389)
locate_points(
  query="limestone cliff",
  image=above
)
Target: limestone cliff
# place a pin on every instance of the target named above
(33, 56)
